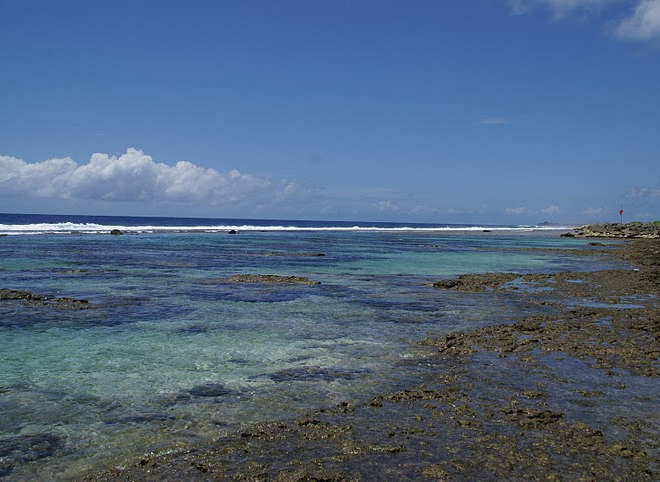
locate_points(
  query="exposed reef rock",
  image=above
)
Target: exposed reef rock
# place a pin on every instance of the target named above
(618, 230)
(272, 279)
(31, 298)
(476, 282)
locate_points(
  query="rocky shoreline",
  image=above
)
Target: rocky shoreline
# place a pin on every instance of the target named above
(617, 230)
(569, 393)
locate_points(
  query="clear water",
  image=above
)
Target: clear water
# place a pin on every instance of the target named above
(127, 375)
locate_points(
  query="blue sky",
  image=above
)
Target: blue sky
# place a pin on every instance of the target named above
(497, 111)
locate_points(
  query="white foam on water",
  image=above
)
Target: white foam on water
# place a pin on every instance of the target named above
(91, 228)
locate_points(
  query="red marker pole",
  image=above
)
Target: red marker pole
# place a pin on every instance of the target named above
(621, 214)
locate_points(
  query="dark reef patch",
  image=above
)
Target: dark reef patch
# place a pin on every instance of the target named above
(209, 390)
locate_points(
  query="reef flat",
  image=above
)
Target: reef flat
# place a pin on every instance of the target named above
(568, 393)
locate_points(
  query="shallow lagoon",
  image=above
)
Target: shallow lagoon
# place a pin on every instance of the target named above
(167, 353)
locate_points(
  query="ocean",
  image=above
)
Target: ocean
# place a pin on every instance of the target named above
(167, 353)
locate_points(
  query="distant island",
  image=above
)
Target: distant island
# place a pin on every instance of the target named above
(548, 223)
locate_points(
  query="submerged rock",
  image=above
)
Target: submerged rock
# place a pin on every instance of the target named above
(27, 448)
(140, 418)
(314, 373)
(209, 390)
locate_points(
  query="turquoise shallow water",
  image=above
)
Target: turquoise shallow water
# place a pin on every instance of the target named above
(168, 353)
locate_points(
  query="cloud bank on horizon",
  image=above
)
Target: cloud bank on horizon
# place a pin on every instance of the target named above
(135, 177)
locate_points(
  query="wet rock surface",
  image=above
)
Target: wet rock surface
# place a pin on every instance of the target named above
(568, 393)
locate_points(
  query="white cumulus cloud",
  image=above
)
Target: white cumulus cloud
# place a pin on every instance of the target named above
(133, 176)
(644, 23)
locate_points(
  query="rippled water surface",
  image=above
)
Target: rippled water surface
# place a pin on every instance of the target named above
(168, 353)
